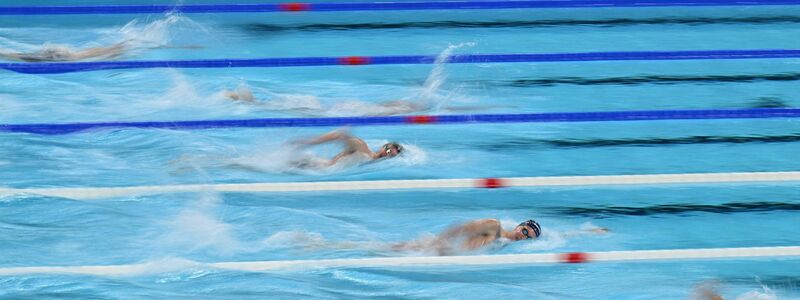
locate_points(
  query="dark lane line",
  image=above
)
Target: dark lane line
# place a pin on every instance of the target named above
(677, 209)
(651, 79)
(271, 28)
(522, 143)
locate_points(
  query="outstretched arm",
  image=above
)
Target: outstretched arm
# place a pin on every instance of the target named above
(336, 135)
(597, 231)
(110, 51)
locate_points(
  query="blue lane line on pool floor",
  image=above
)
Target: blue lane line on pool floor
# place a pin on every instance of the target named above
(650, 115)
(370, 6)
(66, 67)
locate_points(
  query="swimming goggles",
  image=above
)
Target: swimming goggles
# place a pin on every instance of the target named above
(532, 224)
(388, 150)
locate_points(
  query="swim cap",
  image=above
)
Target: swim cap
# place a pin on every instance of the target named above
(533, 224)
(396, 146)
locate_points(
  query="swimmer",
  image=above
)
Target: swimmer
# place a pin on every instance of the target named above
(386, 108)
(354, 147)
(244, 95)
(62, 53)
(59, 53)
(472, 236)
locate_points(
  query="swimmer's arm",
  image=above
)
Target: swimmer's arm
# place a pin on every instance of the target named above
(481, 232)
(193, 47)
(399, 107)
(10, 55)
(477, 233)
(354, 144)
(110, 51)
(336, 135)
(598, 231)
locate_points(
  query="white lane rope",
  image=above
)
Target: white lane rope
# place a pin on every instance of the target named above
(654, 179)
(422, 261)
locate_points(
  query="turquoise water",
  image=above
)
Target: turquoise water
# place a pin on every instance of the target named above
(207, 227)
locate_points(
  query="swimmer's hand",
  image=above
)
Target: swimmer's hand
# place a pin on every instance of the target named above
(340, 134)
(596, 230)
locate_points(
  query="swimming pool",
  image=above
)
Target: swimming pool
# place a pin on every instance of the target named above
(165, 230)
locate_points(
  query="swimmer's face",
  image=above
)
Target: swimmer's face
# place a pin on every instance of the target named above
(389, 150)
(522, 232)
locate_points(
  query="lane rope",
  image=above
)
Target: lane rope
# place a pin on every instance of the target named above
(606, 116)
(369, 6)
(88, 193)
(67, 67)
(176, 265)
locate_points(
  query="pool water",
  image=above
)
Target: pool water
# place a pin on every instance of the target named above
(209, 227)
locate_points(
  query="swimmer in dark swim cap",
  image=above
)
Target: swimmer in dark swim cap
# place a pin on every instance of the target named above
(473, 235)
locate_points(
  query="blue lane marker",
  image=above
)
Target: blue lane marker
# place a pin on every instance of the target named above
(55, 68)
(398, 120)
(370, 6)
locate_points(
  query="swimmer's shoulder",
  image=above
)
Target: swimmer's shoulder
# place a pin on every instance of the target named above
(482, 226)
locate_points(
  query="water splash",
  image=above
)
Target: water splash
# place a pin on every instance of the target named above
(161, 33)
(197, 228)
(427, 98)
(294, 239)
(6, 43)
(429, 94)
(764, 294)
(284, 159)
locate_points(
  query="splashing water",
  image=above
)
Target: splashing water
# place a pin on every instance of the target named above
(158, 33)
(426, 99)
(198, 228)
(6, 43)
(764, 294)
(437, 77)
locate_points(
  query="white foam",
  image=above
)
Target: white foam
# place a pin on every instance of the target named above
(198, 228)
(10, 45)
(293, 239)
(429, 94)
(764, 294)
(158, 33)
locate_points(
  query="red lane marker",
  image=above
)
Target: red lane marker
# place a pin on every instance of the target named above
(294, 6)
(491, 183)
(354, 60)
(421, 119)
(575, 257)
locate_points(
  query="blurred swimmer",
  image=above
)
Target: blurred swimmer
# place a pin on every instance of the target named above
(57, 53)
(385, 108)
(354, 148)
(60, 53)
(472, 235)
